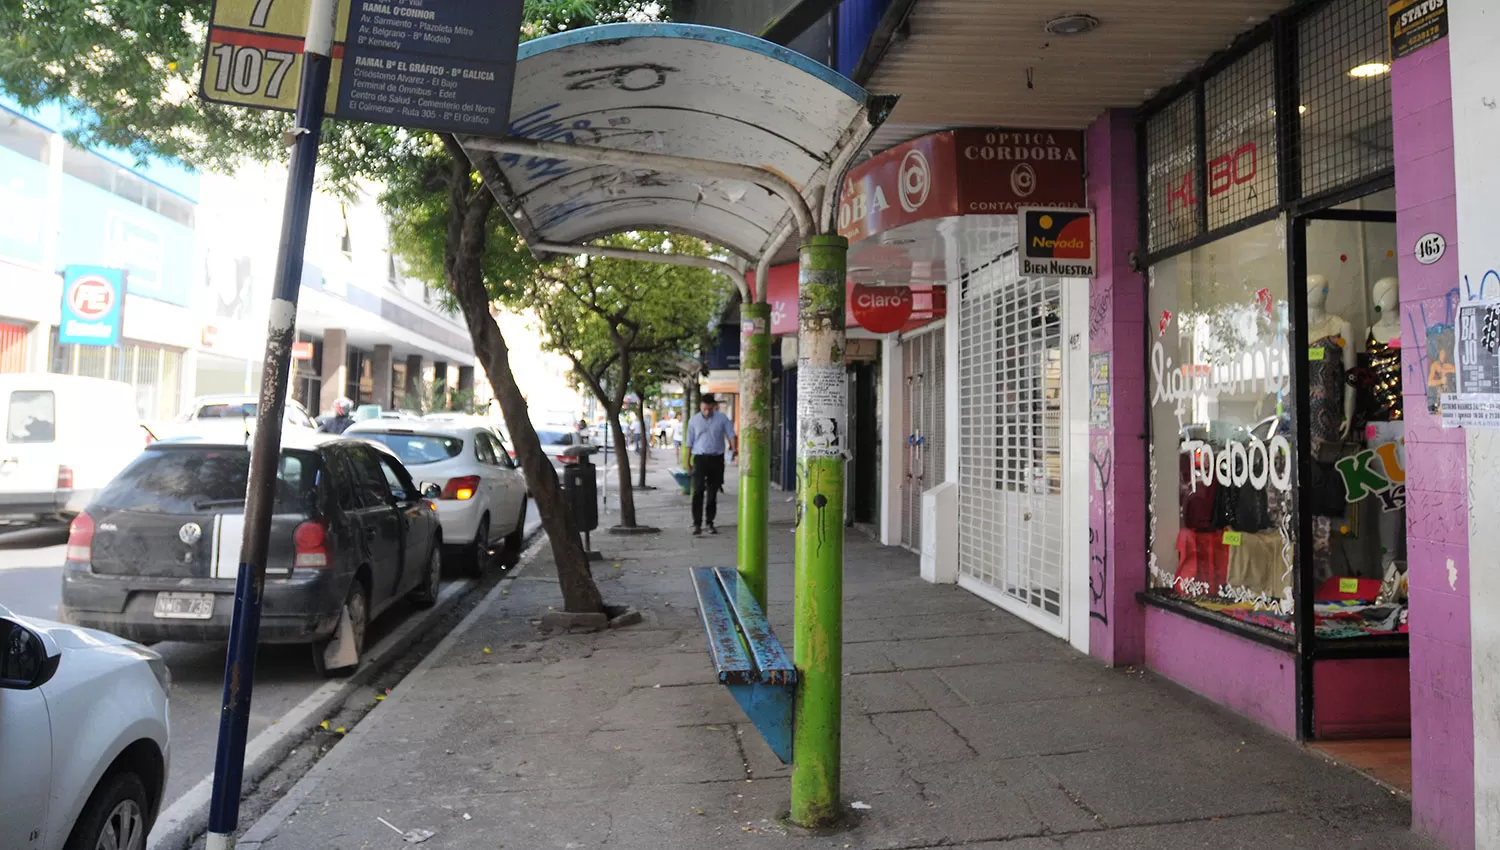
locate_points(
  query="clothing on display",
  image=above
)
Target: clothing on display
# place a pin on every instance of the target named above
(1325, 384)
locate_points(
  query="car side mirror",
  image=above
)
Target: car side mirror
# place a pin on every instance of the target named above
(28, 659)
(432, 491)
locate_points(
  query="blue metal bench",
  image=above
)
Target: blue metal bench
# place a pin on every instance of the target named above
(747, 655)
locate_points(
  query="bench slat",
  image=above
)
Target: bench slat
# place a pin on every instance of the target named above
(767, 653)
(724, 644)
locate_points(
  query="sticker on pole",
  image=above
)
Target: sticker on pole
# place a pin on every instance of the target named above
(443, 65)
(821, 392)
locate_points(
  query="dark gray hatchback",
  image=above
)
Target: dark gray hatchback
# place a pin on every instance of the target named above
(154, 557)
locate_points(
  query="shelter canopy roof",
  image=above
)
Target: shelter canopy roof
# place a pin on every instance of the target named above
(681, 90)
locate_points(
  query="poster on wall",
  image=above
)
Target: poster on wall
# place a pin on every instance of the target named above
(1057, 242)
(1099, 391)
(1416, 24)
(1476, 367)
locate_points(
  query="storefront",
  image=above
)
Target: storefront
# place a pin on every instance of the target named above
(1276, 479)
(984, 413)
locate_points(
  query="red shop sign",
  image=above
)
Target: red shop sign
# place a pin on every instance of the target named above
(962, 172)
(881, 309)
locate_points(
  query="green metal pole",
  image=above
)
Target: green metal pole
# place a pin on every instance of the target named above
(755, 445)
(818, 650)
(689, 407)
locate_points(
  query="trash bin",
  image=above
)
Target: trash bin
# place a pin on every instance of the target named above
(580, 486)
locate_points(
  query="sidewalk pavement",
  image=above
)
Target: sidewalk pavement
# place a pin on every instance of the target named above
(963, 726)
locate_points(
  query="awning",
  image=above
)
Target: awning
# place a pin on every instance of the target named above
(679, 90)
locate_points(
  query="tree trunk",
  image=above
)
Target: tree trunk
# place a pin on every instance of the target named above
(468, 228)
(622, 462)
(646, 440)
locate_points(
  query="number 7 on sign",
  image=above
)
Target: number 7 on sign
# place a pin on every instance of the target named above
(262, 11)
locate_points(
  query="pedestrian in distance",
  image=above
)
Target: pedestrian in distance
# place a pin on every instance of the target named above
(708, 433)
(341, 418)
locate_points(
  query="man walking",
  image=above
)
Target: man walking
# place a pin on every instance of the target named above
(707, 435)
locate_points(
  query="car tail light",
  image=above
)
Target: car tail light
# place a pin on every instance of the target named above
(567, 460)
(81, 539)
(311, 543)
(461, 489)
(64, 478)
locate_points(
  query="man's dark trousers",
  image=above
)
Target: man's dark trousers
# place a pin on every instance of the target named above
(708, 477)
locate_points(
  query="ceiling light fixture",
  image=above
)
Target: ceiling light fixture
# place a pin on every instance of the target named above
(1076, 24)
(1369, 69)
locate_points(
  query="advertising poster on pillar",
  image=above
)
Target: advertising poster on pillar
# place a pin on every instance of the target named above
(962, 172)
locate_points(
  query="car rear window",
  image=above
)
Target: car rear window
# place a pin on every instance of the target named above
(32, 417)
(205, 479)
(417, 449)
(228, 411)
(552, 438)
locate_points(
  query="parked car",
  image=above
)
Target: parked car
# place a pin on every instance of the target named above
(556, 438)
(239, 407)
(155, 556)
(83, 740)
(65, 437)
(481, 492)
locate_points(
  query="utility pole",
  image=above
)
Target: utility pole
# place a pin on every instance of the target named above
(281, 333)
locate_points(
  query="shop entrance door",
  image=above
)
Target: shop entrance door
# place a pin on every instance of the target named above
(1014, 382)
(923, 418)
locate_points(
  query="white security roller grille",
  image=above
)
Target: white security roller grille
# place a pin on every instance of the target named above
(923, 420)
(1011, 510)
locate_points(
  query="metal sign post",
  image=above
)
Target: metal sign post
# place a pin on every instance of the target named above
(260, 494)
(386, 73)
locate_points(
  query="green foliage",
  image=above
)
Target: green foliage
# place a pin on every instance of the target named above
(625, 323)
(130, 70)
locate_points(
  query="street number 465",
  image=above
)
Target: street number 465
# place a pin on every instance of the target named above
(245, 69)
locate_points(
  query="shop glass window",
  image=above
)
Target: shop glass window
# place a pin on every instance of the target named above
(1357, 494)
(1239, 107)
(1344, 66)
(1172, 176)
(1222, 528)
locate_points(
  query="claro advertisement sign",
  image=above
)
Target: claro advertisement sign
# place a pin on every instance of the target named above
(962, 172)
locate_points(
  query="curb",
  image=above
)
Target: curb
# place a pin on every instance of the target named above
(265, 828)
(187, 816)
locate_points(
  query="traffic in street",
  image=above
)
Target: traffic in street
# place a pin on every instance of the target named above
(377, 534)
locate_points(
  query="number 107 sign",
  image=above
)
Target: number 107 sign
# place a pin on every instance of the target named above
(445, 65)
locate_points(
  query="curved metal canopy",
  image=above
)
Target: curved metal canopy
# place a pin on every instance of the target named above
(679, 90)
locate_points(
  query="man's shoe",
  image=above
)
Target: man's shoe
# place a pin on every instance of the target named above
(697, 530)
(712, 529)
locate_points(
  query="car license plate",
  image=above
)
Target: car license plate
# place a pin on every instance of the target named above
(184, 606)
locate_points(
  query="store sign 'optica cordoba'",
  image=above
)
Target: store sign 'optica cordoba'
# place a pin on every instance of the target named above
(962, 172)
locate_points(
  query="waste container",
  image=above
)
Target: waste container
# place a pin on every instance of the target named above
(580, 486)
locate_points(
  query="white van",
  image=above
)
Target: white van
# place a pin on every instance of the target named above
(65, 438)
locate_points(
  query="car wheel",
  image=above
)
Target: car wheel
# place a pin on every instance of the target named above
(514, 540)
(358, 608)
(114, 817)
(425, 595)
(479, 552)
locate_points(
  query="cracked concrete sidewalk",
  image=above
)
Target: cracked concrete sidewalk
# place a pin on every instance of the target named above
(963, 726)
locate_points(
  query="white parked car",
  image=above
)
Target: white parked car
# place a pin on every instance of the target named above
(65, 437)
(83, 737)
(467, 470)
(237, 407)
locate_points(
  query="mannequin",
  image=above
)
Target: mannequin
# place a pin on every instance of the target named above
(1387, 296)
(1333, 335)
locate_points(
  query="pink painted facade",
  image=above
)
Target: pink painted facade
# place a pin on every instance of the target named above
(1437, 484)
(1431, 692)
(1117, 514)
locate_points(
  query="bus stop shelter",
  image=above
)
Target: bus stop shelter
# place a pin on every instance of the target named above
(742, 143)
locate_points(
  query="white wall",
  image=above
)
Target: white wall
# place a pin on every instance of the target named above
(892, 442)
(1474, 30)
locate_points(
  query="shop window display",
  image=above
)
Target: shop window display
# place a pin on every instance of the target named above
(1223, 452)
(1222, 527)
